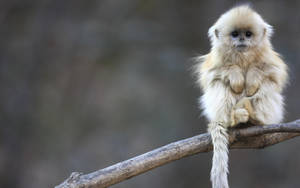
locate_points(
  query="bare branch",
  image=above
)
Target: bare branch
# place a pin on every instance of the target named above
(240, 138)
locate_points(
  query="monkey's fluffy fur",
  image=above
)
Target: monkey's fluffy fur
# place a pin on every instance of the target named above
(242, 79)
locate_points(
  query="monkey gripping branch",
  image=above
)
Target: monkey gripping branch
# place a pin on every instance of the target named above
(255, 137)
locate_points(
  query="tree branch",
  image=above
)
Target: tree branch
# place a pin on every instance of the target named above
(239, 138)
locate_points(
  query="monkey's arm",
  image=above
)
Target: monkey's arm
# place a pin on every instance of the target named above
(254, 79)
(276, 72)
(218, 99)
(220, 86)
(233, 76)
(273, 71)
(204, 69)
(209, 71)
(267, 101)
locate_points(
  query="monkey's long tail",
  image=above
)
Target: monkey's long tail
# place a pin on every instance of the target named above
(219, 171)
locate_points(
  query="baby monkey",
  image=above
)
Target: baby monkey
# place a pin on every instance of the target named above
(242, 79)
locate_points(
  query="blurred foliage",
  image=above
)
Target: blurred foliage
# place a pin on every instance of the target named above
(85, 84)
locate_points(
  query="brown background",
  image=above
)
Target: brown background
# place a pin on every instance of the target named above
(86, 84)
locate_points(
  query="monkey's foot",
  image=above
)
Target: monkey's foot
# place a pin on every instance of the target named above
(239, 115)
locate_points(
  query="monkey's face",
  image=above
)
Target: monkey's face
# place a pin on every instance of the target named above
(241, 39)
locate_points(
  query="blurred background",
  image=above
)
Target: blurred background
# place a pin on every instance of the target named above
(86, 84)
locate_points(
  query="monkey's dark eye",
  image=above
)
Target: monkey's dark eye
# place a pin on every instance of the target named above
(248, 33)
(234, 34)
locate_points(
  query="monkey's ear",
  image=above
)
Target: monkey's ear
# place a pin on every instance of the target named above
(217, 33)
(213, 33)
(268, 30)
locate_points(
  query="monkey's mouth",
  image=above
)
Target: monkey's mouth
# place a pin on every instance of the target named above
(241, 47)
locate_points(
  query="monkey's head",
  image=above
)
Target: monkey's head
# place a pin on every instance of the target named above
(239, 30)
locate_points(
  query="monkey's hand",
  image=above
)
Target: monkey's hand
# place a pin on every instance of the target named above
(253, 81)
(241, 112)
(236, 80)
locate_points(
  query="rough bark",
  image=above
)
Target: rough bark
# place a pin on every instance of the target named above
(254, 137)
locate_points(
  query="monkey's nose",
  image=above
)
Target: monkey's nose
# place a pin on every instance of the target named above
(242, 39)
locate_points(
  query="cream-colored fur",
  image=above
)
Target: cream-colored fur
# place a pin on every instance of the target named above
(239, 84)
